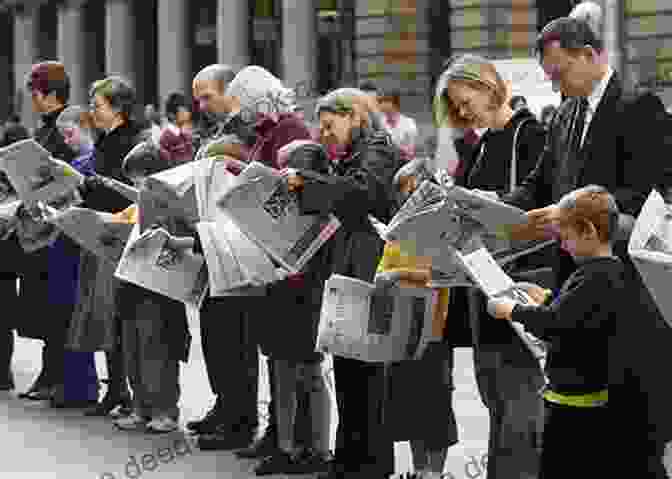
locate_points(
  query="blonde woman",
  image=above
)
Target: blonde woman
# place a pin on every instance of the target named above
(471, 94)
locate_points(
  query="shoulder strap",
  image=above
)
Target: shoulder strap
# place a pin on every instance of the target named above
(513, 171)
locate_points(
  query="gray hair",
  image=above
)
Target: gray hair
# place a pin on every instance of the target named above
(217, 72)
(341, 101)
(260, 92)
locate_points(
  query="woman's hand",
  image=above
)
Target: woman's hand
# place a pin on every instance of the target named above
(294, 180)
(501, 308)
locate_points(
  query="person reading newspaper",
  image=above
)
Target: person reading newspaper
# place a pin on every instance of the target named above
(578, 325)
(423, 386)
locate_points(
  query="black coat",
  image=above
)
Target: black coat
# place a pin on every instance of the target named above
(361, 186)
(491, 171)
(111, 149)
(625, 150)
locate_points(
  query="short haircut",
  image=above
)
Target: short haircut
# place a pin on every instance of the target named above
(477, 73)
(309, 156)
(594, 205)
(174, 102)
(118, 92)
(572, 34)
(218, 72)
(592, 14)
(50, 77)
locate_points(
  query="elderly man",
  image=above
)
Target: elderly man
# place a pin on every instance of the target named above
(600, 135)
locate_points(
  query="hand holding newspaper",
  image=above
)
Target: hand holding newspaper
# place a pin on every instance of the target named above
(650, 248)
(268, 213)
(35, 175)
(8, 218)
(164, 264)
(359, 322)
(100, 233)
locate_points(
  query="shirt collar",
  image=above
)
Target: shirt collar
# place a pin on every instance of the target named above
(598, 91)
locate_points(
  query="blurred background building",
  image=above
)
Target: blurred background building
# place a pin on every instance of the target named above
(314, 45)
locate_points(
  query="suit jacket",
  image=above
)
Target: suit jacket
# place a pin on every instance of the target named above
(625, 150)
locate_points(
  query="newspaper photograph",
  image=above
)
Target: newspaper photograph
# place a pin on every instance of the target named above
(100, 233)
(164, 264)
(650, 249)
(35, 175)
(32, 228)
(267, 212)
(358, 323)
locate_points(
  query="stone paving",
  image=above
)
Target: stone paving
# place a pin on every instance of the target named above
(41, 443)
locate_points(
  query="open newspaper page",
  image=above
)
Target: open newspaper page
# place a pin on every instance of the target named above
(650, 248)
(357, 323)
(35, 175)
(234, 261)
(268, 213)
(100, 233)
(495, 283)
(156, 261)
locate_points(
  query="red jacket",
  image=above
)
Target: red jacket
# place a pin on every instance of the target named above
(273, 134)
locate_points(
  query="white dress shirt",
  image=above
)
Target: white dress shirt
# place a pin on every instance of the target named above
(594, 100)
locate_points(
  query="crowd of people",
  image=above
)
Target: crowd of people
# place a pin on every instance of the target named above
(600, 398)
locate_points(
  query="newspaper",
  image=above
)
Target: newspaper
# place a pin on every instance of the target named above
(8, 218)
(160, 262)
(100, 233)
(268, 213)
(650, 248)
(234, 261)
(35, 175)
(490, 278)
(356, 323)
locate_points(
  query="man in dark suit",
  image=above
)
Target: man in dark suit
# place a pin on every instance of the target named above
(601, 135)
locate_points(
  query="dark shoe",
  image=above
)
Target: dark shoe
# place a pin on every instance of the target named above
(334, 471)
(44, 393)
(223, 441)
(78, 404)
(265, 446)
(7, 384)
(39, 386)
(311, 463)
(208, 425)
(279, 463)
(109, 403)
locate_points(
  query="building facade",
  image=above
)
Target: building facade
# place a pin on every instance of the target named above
(314, 45)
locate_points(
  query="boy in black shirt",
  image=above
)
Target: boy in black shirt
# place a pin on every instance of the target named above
(578, 324)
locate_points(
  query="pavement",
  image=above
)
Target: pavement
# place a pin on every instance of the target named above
(41, 443)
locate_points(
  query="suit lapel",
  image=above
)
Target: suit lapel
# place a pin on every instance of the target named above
(606, 109)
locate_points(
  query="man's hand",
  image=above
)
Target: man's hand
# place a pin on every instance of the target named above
(536, 292)
(294, 180)
(501, 308)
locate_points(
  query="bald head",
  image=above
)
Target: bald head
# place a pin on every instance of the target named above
(209, 86)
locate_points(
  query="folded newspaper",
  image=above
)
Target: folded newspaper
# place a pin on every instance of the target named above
(8, 218)
(356, 323)
(650, 248)
(236, 264)
(490, 278)
(436, 219)
(35, 175)
(164, 264)
(268, 213)
(100, 233)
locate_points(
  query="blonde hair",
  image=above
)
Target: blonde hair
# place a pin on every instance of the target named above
(475, 72)
(352, 101)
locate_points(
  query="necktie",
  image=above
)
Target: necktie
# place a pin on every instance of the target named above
(579, 125)
(569, 168)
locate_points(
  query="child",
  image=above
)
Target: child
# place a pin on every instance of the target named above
(290, 344)
(154, 328)
(423, 386)
(578, 324)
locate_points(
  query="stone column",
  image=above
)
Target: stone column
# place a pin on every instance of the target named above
(233, 45)
(25, 53)
(120, 39)
(71, 48)
(299, 40)
(173, 48)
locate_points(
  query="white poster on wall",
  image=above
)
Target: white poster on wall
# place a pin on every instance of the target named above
(528, 79)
